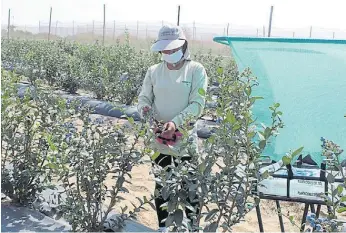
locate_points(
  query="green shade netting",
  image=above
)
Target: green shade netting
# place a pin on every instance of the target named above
(308, 78)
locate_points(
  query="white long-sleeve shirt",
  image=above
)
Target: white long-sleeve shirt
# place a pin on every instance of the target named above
(174, 94)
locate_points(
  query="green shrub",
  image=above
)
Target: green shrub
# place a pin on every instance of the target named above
(28, 129)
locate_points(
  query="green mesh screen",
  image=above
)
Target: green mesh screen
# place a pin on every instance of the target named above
(308, 78)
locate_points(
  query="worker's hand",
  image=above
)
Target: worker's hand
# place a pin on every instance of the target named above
(145, 110)
(169, 130)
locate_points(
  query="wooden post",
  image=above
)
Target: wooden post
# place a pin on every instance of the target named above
(270, 20)
(227, 28)
(9, 24)
(104, 24)
(50, 22)
(178, 15)
(310, 31)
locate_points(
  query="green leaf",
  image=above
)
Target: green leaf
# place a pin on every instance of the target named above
(267, 132)
(276, 105)
(340, 189)
(201, 91)
(169, 220)
(145, 199)
(261, 137)
(51, 144)
(219, 70)
(262, 144)
(236, 126)
(343, 199)
(291, 219)
(131, 120)
(155, 155)
(341, 210)
(165, 193)
(286, 160)
(230, 117)
(265, 174)
(52, 166)
(330, 178)
(120, 181)
(248, 91)
(297, 152)
(211, 228)
(178, 217)
(253, 99)
(202, 167)
(211, 214)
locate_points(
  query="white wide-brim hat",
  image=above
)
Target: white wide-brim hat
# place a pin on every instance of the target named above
(170, 37)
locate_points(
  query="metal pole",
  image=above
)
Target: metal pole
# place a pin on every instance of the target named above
(227, 28)
(257, 32)
(50, 22)
(178, 15)
(9, 24)
(270, 20)
(137, 28)
(104, 23)
(294, 34)
(264, 31)
(333, 35)
(73, 28)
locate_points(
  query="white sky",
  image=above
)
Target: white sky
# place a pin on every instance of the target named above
(287, 13)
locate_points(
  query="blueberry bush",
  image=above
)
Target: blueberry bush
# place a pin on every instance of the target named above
(113, 73)
(48, 142)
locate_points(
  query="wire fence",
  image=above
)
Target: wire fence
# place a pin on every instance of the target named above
(149, 30)
(143, 33)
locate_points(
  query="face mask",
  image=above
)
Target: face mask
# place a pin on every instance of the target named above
(172, 58)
